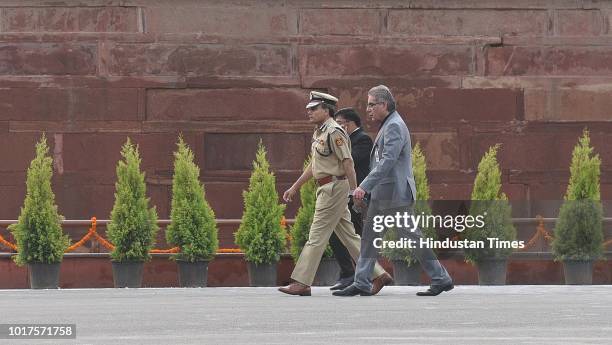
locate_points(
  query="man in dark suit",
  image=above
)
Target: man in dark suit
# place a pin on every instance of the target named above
(361, 145)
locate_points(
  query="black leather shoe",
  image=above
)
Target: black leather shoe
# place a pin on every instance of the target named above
(352, 290)
(341, 286)
(435, 290)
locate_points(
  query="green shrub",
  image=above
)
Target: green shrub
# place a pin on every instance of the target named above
(579, 232)
(38, 231)
(421, 207)
(193, 227)
(133, 224)
(489, 201)
(260, 235)
(301, 228)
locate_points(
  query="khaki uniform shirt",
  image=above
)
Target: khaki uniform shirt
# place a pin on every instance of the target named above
(330, 146)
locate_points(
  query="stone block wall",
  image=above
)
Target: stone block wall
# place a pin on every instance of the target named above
(529, 74)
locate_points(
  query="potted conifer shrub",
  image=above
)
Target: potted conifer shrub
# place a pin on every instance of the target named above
(38, 232)
(133, 224)
(328, 270)
(406, 268)
(260, 235)
(578, 239)
(490, 202)
(193, 227)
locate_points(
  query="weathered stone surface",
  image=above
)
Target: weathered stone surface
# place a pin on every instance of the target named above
(505, 82)
(606, 197)
(384, 60)
(463, 191)
(515, 192)
(92, 152)
(537, 82)
(588, 104)
(18, 149)
(33, 104)
(235, 126)
(545, 151)
(285, 151)
(340, 21)
(12, 200)
(433, 104)
(85, 201)
(161, 198)
(227, 201)
(537, 104)
(69, 126)
(199, 59)
(441, 104)
(447, 191)
(225, 198)
(47, 58)
(546, 197)
(558, 41)
(69, 19)
(362, 84)
(440, 149)
(226, 104)
(539, 151)
(94, 82)
(606, 14)
(226, 20)
(499, 4)
(468, 22)
(584, 105)
(53, 104)
(578, 61)
(579, 22)
(101, 152)
(104, 104)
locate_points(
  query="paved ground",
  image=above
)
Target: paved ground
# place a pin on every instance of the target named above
(467, 315)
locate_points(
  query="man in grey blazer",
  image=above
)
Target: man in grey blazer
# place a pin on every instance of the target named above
(391, 189)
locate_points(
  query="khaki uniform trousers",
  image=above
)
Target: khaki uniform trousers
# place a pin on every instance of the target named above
(331, 215)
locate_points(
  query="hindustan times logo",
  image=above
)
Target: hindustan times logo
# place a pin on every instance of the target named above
(412, 222)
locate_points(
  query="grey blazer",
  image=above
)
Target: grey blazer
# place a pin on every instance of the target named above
(391, 178)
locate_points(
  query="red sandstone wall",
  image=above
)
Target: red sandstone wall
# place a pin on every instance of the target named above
(467, 74)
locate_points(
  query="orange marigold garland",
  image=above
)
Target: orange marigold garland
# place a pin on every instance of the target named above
(7, 243)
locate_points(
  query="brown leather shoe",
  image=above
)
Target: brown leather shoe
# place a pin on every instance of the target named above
(296, 288)
(379, 282)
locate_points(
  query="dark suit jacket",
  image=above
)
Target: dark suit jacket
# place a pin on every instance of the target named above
(361, 146)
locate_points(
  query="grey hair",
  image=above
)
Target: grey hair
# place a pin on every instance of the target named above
(381, 93)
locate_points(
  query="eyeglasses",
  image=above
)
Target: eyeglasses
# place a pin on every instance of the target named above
(371, 105)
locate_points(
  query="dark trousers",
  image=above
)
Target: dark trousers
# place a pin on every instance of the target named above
(346, 263)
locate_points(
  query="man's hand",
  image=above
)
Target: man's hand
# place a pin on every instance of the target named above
(359, 193)
(289, 194)
(359, 206)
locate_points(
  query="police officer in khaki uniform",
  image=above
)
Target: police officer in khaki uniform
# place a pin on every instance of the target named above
(332, 168)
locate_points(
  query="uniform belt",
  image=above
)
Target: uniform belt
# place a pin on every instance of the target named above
(327, 179)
